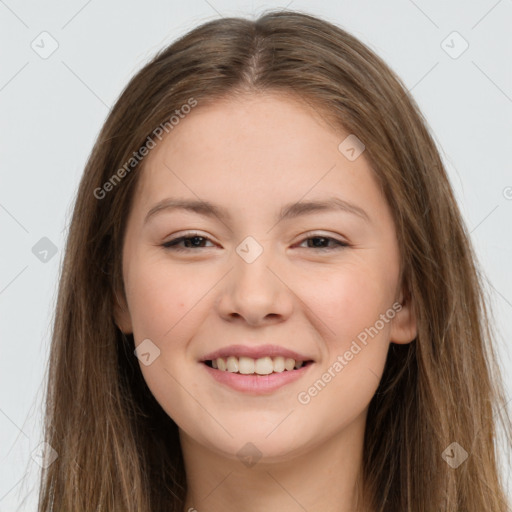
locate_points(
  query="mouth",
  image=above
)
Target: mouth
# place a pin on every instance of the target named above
(262, 376)
(260, 367)
(256, 369)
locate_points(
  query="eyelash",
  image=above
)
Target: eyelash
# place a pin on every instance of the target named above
(172, 244)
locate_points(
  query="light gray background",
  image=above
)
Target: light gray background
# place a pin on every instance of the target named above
(52, 110)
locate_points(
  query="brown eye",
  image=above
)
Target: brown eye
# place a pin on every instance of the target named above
(321, 242)
(195, 241)
(192, 241)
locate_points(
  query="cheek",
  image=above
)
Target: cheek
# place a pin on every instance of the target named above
(356, 304)
(349, 301)
(356, 343)
(164, 301)
(161, 297)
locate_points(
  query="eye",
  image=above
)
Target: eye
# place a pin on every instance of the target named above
(196, 241)
(192, 240)
(319, 241)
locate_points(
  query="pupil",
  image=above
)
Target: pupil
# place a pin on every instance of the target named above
(316, 239)
(188, 240)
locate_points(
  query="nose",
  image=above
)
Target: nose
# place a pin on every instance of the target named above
(255, 293)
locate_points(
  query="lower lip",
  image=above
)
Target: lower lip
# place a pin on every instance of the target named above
(257, 384)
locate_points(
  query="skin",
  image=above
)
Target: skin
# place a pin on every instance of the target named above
(252, 155)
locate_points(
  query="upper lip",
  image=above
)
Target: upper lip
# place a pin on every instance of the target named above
(255, 352)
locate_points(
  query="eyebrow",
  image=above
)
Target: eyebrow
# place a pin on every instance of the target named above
(289, 211)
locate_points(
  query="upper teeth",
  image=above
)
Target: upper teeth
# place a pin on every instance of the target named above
(261, 366)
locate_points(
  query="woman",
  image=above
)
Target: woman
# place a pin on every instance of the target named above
(269, 299)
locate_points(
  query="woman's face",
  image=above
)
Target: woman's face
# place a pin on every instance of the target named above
(264, 269)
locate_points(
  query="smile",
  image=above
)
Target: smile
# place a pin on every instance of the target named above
(260, 366)
(253, 381)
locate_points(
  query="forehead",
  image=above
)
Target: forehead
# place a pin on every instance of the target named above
(252, 127)
(256, 149)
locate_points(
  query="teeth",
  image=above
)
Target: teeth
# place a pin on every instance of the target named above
(245, 365)
(289, 364)
(232, 364)
(264, 366)
(261, 366)
(279, 364)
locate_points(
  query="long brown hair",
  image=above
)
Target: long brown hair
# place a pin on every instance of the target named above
(117, 448)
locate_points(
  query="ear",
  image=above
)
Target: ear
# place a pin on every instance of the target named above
(122, 316)
(403, 325)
